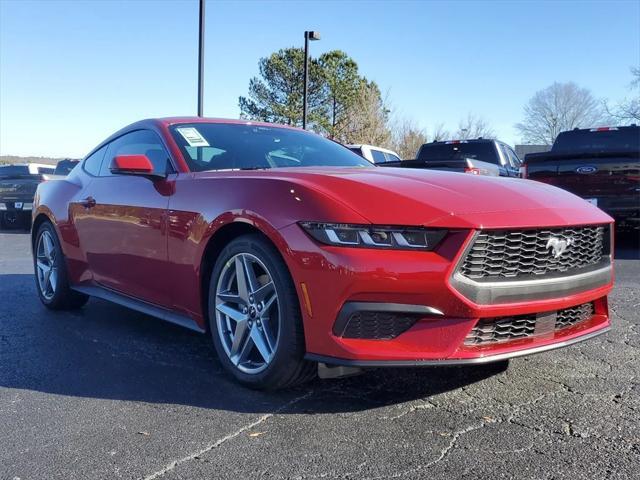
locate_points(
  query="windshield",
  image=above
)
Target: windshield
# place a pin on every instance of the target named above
(13, 170)
(620, 140)
(485, 152)
(220, 146)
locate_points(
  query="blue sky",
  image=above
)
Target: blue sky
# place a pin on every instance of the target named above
(72, 72)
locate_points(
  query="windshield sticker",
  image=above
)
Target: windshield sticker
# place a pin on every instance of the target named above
(193, 137)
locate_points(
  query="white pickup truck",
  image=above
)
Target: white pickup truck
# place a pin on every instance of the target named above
(375, 154)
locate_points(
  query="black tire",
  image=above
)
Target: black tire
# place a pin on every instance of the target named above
(287, 366)
(63, 297)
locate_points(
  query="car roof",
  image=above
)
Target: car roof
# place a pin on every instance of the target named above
(154, 123)
(466, 140)
(234, 121)
(601, 129)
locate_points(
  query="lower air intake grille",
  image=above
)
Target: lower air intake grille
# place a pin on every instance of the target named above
(505, 329)
(379, 325)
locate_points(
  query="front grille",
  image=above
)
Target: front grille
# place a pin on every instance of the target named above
(379, 325)
(505, 329)
(513, 253)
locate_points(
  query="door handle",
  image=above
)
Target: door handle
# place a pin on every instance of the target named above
(88, 202)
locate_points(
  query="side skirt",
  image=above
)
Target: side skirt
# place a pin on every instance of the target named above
(140, 306)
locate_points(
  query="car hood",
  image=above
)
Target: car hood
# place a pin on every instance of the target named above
(397, 196)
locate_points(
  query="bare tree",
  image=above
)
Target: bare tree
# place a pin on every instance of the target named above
(440, 133)
(407, 138)
(559, 107)
(367, 121)
(474, 127)
(628, 109)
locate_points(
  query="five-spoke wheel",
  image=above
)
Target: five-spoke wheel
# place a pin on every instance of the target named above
(254, 315)
(247, 313)
(46, 265)
(51, 271)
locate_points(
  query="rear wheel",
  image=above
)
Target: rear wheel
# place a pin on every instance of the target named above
(254, 316)
(50, 268)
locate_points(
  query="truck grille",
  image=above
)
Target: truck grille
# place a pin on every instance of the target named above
(504, 329)
(508, 254)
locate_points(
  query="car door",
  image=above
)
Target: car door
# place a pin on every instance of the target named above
(122, 228)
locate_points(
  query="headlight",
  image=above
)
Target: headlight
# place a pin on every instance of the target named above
(3, 206)
(373, 236)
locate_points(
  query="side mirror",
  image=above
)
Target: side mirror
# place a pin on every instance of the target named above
(133, 165)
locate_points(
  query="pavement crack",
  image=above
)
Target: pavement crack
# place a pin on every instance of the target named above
(441, 456)
(193, 456)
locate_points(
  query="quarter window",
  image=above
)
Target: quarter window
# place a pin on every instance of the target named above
(92, 163)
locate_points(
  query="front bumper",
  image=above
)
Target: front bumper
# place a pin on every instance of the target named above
(457, 361)
(329, 278)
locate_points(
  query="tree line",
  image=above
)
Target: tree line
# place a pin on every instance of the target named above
(347, 107)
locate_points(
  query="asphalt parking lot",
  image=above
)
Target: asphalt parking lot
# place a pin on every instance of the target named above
(110, 393)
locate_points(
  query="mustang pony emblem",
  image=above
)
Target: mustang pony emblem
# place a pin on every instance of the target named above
(558, 245)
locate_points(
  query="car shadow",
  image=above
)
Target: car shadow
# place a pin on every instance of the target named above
(627, 245)
(109, 352)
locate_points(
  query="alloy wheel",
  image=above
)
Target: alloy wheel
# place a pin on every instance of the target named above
(46, 265)
(247, 313)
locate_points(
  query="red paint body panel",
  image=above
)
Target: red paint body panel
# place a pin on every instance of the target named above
(146, 238)
(133, 163)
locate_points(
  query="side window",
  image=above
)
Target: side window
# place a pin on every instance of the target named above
(504, 152)
(391, 157)
(378, 156)
(140, 142)
(514, 158)
(92, 163)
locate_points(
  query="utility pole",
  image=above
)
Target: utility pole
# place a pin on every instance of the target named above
(308, 35)
(201, 60)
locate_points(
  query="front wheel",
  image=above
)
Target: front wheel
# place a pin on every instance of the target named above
(254, 316)
(50, 268)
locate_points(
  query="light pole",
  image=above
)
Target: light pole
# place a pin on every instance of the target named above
(308, 35)
(201, 59)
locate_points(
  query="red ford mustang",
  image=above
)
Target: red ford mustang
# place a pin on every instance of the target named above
(294, 252)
